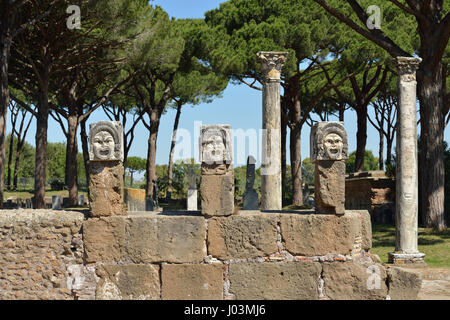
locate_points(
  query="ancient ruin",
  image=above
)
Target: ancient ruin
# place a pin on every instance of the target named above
(192, 191)
(217, 181)
(106, 168)
(329, 150)
(406, 213)
(250, 196)
(271, 65)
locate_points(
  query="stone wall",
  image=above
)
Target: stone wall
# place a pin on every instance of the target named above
(252, 255)
(372, 191)
(39, 251)
(179, 255)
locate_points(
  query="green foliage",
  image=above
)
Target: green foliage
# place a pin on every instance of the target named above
(26, 160)
(57, 184)
(56, 160)
(136, 164)
(180, 178)
(308, 171)
(370, 162)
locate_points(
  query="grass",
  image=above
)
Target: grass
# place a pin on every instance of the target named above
(435, 245)
(30, 193)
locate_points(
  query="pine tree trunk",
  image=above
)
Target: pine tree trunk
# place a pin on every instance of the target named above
(388, 150)
(283, 154)
(11, 147)
(41, 148)
(17, 162)
(84, 146)
(431, 157)
(72, 161)
(172, 147)
(151, 154)
(5, 45)
(295, 146)
(381, 151)
(361, 137)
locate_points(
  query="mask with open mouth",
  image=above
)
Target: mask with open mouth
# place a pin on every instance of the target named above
(333, 146)
(103, 145)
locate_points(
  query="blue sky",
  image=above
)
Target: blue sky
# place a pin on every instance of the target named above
(240, 106)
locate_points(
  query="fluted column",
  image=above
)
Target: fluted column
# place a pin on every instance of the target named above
(271, 197)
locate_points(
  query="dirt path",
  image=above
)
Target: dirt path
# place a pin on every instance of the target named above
(435, 283)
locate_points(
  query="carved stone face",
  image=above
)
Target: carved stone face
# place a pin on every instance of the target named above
(333, 146)
(213, 149)
(106, 141)
(103, 145)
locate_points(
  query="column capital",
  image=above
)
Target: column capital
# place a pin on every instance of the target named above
(271, 63)
(407, 67)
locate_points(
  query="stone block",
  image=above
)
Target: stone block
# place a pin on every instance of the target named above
(159, 238)
(329, 180)
(403, 284)
(242, 236)
(353, 281)
(192, 200)
(217, 195)
(192, 281)
(274, 280)
(104, 239)
(317, 234)
(106, 188)
(134, 199)
(128, 282)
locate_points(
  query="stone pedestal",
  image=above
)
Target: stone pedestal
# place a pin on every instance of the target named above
(271, 196)
(106, 169)
(106, 188)
(134, 199)
(329, 189)
(217, 182)
(192, 200)
(406, 213)
(329, 150)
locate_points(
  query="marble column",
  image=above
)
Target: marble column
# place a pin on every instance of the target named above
(406, 211)
(271, 197)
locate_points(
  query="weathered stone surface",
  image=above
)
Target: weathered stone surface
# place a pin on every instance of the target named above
(104, 239)
(192, 281)
(329, 193)
(271, 65)
(192, 200)
(37, 248)
(217, 195)
(106, 188)
(250, 200)
(352, 281)
(106, 141)
(244, 236)
(314, 234)
(134, 199)
(275, 280)
(406, 177)
(328, 141)
(159, 238)
(403, 284)
(128, 282)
